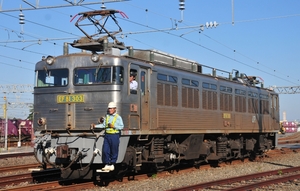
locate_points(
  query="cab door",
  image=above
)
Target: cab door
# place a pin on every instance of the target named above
(144, 80)
(139, 99)
(275, 112)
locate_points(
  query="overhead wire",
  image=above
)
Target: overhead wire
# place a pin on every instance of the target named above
(38, 38)
(167, 31)
(3, 63)
(34, 52)
(237, 52)
(55, 29)
(209, 49)
(243, 21)
(20, 60)
(180, 28)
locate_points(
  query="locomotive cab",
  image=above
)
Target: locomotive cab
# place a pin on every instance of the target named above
(71, 92)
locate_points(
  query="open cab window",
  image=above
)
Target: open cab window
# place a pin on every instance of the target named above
(133, 84)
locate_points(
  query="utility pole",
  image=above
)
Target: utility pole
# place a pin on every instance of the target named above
(6, 90)
(6, 122)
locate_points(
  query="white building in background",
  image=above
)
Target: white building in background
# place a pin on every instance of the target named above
(284, 116)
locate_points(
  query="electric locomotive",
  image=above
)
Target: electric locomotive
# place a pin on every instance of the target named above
(178, 114)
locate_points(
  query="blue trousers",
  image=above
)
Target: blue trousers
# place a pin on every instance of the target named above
(110, 149)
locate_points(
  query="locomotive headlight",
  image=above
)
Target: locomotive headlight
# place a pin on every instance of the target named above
(95, 57)
(50, 60)
(41, 121)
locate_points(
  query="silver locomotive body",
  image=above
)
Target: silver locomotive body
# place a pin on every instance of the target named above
(177, 114)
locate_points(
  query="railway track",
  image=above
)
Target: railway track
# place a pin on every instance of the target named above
(226, 184)
(248, 182)
(54, 185)
(290, 139)
(39, 180)
(14, 143)
(47, 181)
(11, 155)
(76, 185)
(15, 179)
(18, 168)
(32, 177)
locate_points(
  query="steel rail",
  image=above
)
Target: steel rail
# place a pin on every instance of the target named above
(19, 167)
(17, 154)
(236, 179)
(266, 183)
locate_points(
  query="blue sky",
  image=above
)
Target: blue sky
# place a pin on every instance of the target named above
(259, 38)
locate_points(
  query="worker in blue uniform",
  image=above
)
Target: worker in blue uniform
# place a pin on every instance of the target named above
(113, 124)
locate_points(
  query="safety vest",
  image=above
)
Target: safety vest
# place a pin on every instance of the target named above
(109, 130)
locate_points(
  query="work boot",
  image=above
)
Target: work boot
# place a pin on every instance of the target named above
(110, 167)
(107, 167)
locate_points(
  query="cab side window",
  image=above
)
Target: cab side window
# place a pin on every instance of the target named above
(133, 84)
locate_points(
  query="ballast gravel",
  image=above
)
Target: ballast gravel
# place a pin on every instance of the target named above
(176, 180)
(199, 176)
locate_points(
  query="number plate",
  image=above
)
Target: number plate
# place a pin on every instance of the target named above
(226, 115)
(75, 98)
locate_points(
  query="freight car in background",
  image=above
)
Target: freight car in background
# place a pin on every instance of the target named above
(289, 126)
(178, 114)
(14, 128)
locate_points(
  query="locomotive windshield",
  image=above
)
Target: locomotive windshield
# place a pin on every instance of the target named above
(57, 77)
(96, 75)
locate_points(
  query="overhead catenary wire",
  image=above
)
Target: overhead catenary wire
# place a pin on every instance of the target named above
(52, 28)
(20, 60)
(171, 30)
(71, 4)
(209, 49)
(182, 28)
(168, 30)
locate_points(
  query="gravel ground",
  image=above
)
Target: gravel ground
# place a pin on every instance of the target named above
(198, 176)
(14, 162)
(17, 161)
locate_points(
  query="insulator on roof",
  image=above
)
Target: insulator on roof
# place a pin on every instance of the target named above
(103, 6)
(21, 18)
(181, 5)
